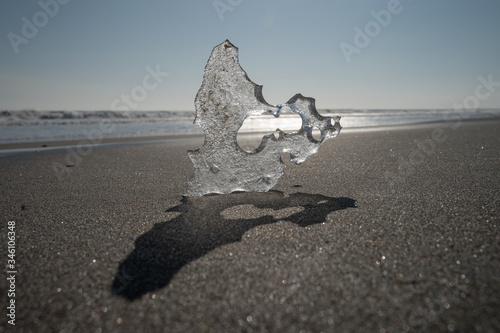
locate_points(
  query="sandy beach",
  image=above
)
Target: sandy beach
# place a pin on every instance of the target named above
(381, 231)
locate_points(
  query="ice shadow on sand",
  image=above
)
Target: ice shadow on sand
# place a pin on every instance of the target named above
(201, 227)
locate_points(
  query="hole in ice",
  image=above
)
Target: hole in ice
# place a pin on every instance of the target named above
(316, 134)
(255, 127)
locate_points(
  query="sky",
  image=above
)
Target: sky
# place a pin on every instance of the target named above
(150, 55)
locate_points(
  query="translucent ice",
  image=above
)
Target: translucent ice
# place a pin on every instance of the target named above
(226, 97)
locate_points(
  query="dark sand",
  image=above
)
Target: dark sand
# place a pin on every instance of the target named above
(111, 246)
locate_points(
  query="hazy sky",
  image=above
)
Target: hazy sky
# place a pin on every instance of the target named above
(86, 55)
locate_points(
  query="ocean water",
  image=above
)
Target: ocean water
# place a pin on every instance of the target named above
(47, 126)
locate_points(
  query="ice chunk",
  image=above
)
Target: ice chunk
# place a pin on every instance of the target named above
(226, 97)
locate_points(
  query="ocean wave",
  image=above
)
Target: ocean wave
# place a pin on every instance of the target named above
(33, 117)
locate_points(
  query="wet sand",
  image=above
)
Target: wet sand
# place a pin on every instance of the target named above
(381, 231)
